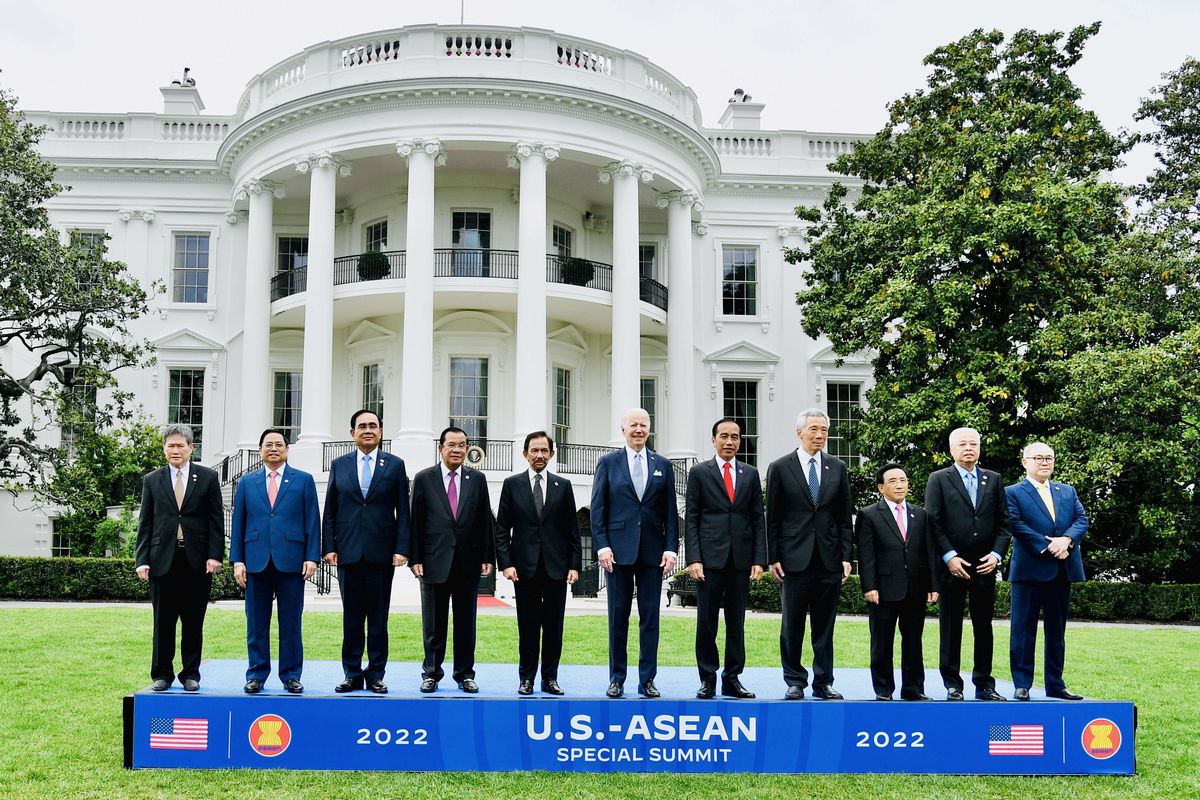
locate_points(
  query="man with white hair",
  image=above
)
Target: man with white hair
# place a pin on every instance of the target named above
(968, 517)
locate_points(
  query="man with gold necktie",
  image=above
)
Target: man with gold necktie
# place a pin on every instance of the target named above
(1048, 522)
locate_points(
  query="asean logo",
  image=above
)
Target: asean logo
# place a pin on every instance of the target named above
(1101, 738)
(270, 735)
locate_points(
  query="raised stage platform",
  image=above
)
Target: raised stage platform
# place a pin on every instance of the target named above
(496, 730)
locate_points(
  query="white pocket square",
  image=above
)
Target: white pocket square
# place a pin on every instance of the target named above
(658, 473)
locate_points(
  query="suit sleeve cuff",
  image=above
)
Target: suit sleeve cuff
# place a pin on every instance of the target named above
(239, 563)
(673, 555)
(141, 566)
(949, 555)
(603, 551)
(999, 560)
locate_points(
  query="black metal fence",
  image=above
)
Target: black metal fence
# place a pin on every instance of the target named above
(653, 292)
(580, 459)
(289, 282)
(489, 454)
(466, 262)
(578, 272)
(335, 449)
(370, 266)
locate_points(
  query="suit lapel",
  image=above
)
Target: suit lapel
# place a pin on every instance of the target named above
(258, 481)
(885, 509)
(190, 487)
(1035, 500)
(956, 479)
(797, 470)
(284, 482)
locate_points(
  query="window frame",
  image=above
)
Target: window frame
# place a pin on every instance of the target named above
(198, 442)
(759, 283)
(751, 458)
(214, 238)
(366, 234)
(489, 378)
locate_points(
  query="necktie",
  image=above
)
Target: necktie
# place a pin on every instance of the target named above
(538, 502)
(364, 477)
(728, 482)
(901, 522)
(971, 490)
(179, 500)
(272, 487)
(1044, 492)
(452, 493)
(639, 475)
(814, 486)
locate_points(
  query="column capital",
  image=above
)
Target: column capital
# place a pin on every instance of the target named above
(701, 228)
(784, 231)
(627, 168)
(685, 198)
(258, 186)
(234, 216)
(126, 214)
(523, 150)
(305, 164)
(431, 147)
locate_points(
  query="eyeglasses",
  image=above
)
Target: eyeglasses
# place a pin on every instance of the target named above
(1041, 459)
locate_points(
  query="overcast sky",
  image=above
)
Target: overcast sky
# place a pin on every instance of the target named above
(819, 66)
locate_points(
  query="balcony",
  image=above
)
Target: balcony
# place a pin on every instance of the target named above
(336, 449)
(578, 272)
(488, 454)
(465, 262)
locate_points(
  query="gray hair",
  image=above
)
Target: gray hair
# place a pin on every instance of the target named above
(1031, 445)
(629, 414)
(803, 417)
(954, 434)
(178, 429)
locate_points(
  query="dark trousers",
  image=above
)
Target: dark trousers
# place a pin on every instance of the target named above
(461, 589)
(622, 581)
(729, 587)
(263, 590)
(541, 605)
(1053, 599)
(910, 614)
(979, 596)
(178, 598)
(811, 592)
(366, 596)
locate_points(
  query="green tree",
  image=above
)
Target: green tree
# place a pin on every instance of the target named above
(982, 216)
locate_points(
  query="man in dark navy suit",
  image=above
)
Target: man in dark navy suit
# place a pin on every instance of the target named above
(274, 544)
(1048, 523)
(365, 534)
(453, 543)
(538, 549)
(636, 533)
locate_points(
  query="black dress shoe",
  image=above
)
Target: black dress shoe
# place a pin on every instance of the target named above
(160, 685)
(526, 687)
(707, 691)
(253, 686)
(954, 694)
(826, 693)
(615, 690)
(349, 685)
(649, 690)
(378, 687)
(428, 686)
(552, 687)
(883, 697)
(917, 696)
(191, 685)
(794, 693)
(293, 686)
(1064, 694)
(469, 686)
(1021, 694)
(733, 688)
(990, 695)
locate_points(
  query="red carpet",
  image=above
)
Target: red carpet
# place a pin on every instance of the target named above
(487, 601)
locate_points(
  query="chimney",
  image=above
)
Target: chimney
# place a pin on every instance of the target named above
(181, 97)
(741, 114)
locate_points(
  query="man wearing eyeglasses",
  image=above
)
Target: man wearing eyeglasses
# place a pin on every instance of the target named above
(1048, 522)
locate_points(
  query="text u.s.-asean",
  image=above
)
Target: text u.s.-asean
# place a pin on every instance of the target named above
(662, 727)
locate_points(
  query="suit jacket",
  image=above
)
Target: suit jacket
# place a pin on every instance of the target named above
(715, 528)
(887, 563)
(972, 532)
(637, 531)
(287, 534)
(371, 528)
(202, 517)
(437, 536)
(1031, 524)
(522, 537)
(796, 526)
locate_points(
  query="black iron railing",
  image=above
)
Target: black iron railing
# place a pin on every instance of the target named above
(578, 272)
(332, 450)
(237, 464)
(489, 454)
(371, 266)
(289, 282)
(681, 467)
(580, 459)
(652, 292)
(465, 262)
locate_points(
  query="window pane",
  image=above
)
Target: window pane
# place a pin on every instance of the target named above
(562, 404)
(189, 273)
(377, 236)
(844, 413)
(739, 287)
(372, 389)
(186, 403)
(649, 398)
(292, 253)
(471, 229)
(647, 261)
(741, 404)
(469, 395)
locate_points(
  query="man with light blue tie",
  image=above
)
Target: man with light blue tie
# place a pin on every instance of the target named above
(968, 518)
(274, 544)
(365, 534)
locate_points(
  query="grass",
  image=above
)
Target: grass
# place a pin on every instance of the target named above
(63, 673)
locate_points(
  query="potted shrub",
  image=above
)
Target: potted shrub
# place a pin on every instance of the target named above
(575, 271)
(373, 265)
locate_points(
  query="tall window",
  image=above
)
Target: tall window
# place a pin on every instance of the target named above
(375, 236)
(739, 287)
(472, 229)
(562, 241)
(649, 398)
(562, 404)
(469, 395)
(292, 253)
(91, 240)
(648, 261)
(285, 407)
(185, 403)
(844, 413)
(60, 543)
(741, 404)
(80, 402)
(189, 274)
(372, 389)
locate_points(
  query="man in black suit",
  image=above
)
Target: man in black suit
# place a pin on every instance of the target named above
(809, 544)
(968, 517)
(180, 545)
(365, 534)
(726, 547)
(895, 564)
(635, 528)
(538, 549)
(453, 544)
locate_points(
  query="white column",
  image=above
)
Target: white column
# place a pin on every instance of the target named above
(316, 415)
(531, 406)
(413, 441)
(254, 399)
(682, 433)
(626, 319)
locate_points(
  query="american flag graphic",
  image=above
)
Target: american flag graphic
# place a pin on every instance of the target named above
(1014, 740)
(175, 733)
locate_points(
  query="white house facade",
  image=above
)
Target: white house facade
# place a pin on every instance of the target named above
(507, 229)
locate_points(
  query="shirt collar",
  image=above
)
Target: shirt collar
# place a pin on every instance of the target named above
(1037, 484)
(720, 462)
(805, 457)
(974, 473)
(374, 454)
(282, 467)
(186, 469)
(630, 453)
(446, 471)
(530, 472)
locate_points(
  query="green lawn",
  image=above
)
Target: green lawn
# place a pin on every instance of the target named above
(63, 673)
